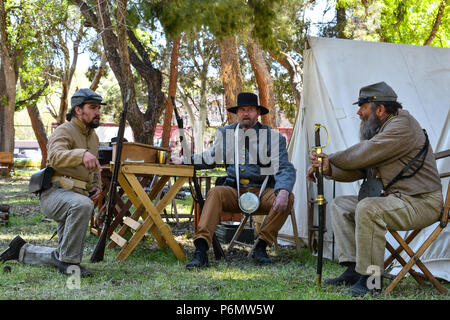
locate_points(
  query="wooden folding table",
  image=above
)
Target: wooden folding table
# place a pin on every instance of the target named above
(121, 209)
(145, 209)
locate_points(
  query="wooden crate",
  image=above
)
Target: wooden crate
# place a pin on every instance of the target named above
(139, 152)
(6, 163)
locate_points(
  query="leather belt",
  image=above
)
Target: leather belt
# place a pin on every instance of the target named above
(70, 183)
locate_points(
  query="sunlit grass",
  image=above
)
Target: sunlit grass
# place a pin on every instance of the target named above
(154, 273)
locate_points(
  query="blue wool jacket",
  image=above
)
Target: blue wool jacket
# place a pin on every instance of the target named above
(258, 157)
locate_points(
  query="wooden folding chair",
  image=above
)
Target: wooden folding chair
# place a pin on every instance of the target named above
(415, 256)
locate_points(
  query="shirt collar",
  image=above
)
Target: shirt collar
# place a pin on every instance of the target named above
(84, 129)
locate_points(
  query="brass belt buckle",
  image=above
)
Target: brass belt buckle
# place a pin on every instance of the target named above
(244, 181)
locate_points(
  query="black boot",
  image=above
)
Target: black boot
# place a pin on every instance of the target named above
(360, 288)
(200, 258)
(12, 252)
(71, 268)
(259, 254)
(348, 278)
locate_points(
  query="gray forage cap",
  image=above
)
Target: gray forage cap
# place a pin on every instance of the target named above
(85, 95)
(378, 92)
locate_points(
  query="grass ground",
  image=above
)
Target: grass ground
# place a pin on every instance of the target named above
(156, 274)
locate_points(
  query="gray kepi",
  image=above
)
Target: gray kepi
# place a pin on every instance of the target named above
(377, 92)
(85, 95)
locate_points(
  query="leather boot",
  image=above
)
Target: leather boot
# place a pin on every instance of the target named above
(200, 258)
(259, 254)
(348, 278)
(360, 289)
(64, 268)
(12, 252)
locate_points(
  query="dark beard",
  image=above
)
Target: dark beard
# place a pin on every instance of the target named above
(93, 125)
(369, 127)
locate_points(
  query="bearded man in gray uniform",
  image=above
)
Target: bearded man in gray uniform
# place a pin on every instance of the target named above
(410, 197)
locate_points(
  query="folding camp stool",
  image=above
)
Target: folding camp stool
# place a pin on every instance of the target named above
(415, 256)
(246, 216)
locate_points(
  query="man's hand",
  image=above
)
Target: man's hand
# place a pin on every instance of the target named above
(175, 159)
(94, 192)
(281, 202)
(315, 163)
(91, 162)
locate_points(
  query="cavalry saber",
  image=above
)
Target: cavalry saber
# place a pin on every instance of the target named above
(321, 205)
(218, 250)
(99, 250)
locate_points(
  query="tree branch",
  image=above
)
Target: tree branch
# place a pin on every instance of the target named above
(34, 96)
(437, 23)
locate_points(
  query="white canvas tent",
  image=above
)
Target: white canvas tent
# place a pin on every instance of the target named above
(334, 71)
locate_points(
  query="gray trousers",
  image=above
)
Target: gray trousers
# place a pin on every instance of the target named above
(360, 227)
(72, 211)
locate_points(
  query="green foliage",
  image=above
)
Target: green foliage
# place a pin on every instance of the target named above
(397, 21)
(221, 17)
(31, 25)
(285, 96)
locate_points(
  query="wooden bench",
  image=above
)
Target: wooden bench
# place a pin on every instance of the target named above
(6, 162)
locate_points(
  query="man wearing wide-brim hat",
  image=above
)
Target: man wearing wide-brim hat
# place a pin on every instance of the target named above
(389, 198)
(254, 174)
(248, 99)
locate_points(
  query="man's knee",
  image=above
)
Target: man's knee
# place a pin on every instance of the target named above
(337, 205)
(366, 209)
(215, 193)
(84, 208)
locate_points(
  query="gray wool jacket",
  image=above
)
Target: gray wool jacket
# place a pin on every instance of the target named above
(262, 152)
(397, 142)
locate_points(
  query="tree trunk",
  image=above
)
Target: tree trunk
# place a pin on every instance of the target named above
(39, 131)
(7, 138)
(199, 133)
(341, 22)
(186, 105)
(98, 75)
(111, 46)
(69, 70)
(143, 124)
(123, 49)
(264, 81)
(63, 103)
(230, 73)
(172, 92)
(2, 107)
